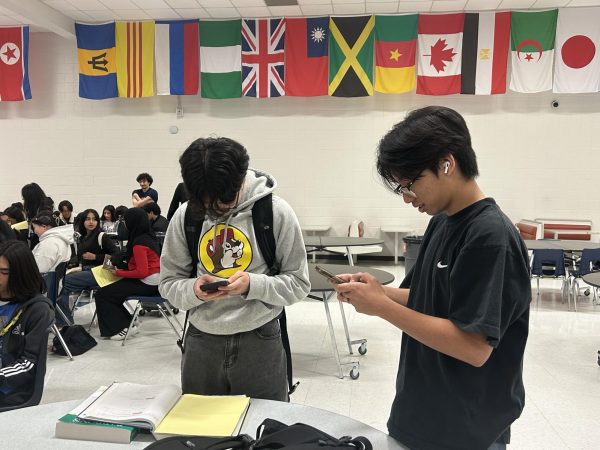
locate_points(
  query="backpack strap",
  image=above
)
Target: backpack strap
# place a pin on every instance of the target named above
(262, 219)
(100, 236)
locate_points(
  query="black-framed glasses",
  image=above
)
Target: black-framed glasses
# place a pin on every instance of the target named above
(407, 190)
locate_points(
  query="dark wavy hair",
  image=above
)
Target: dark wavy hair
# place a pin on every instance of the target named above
(6, 232)
(421, 141)
(24, 279)
(34, 199)
(15, 213)
(145, 176)
(81, 223)
(213, 170)
(111, 210)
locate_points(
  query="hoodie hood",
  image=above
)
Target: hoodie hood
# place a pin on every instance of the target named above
(54, 248)
(64, 233)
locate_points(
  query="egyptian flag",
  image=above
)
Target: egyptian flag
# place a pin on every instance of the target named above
(532, 50)
(440, 49)
(395, 51)
(486, 38)
(14, 64)
(306, 50)
(577, 65)
(177, 53)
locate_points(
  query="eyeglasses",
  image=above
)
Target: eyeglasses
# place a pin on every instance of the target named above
(406, 190)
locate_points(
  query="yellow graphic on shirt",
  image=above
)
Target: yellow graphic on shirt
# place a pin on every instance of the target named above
(226, 254)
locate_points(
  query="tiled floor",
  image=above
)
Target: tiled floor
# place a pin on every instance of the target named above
(562, 377)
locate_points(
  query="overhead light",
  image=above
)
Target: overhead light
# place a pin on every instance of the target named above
(281, 2)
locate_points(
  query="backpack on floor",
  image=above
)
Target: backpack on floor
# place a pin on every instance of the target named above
(271, 434)
(76, 338)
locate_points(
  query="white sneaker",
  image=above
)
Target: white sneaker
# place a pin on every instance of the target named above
(121, 334)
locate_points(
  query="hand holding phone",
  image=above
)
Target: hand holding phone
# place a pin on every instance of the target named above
(327, 274)
(214, 286)
(107, 264)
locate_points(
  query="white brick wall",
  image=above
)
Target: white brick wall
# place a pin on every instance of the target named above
(535, 160)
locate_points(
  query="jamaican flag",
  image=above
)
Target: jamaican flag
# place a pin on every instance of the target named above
(351, 56)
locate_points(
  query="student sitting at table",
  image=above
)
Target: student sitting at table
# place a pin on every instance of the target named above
(55, 242)
(94, 244)
(140, 278)
(25, 315)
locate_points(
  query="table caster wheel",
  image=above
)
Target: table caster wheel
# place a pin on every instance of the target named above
(175, 310)
(354, 373)
(142, 312)
(363, 348)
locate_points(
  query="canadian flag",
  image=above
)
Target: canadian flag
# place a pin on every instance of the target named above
(14, 70)
(440, 49)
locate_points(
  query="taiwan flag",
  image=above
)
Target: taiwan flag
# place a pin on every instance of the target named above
(440, 50)
(577, 60)
(306, 50)
(14, 66)
(177, 50)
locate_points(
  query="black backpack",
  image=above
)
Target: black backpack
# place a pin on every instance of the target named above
(262, 220)
(271, 434)
(76, 338)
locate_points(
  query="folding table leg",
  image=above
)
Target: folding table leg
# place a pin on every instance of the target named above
(62, 341)
(332, 336)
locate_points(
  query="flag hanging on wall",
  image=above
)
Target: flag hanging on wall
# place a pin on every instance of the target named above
(263, 47)
(351, 56)
(440, 49)
(221, 58)
(532, 46)
(135, 58)
(577, 65)
(486, 38)
(306, 50)
(96, 55)
(14, 64)
(177, 57)
(395, 50)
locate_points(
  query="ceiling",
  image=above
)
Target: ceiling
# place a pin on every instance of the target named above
(58, 15)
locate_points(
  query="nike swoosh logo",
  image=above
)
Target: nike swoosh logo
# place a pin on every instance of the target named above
(441, 266)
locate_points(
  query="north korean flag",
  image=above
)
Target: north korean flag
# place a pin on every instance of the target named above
(306, 53)
(14, 66)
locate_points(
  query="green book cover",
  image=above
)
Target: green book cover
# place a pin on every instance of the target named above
(70, 426)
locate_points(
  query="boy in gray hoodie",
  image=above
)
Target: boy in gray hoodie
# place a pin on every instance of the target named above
(233, 342)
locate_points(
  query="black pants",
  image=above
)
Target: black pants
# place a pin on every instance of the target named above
(112, 314)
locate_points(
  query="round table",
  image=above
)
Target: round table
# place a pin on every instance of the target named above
(33, 428)
(320, 243)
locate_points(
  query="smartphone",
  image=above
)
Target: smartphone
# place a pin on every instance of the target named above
(214, 286)
(107, 264)
(327, 274)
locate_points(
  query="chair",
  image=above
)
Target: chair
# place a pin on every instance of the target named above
(52, 280)
(356, 229)
(160, 304)
(590, 259)
(40, 373)
(550, 263)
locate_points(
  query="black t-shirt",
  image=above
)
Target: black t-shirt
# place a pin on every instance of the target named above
(472, 269)
(152, 193)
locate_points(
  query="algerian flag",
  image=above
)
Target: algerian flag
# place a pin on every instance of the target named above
(532, 45)
(577, 66)
(221, 58)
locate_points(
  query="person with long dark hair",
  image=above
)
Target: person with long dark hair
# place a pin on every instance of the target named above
(109, 219)
(34, 201)
(94, 244)
(25, 315)
(140, 278)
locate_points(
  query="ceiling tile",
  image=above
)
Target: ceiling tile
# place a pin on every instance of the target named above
(193, 13)
(162, 13)
(316, 10)
(184, 4)
(448, 5)
(78, 15)
(384, 8)
(482, 5)
(243, 3)
(314, 2)
(102, 15)
(132, 14)
(285, 11)
(150, 4)
(119, 4)
(254, 11)
(551, 3)
(60, 5)
(516, 4)
(89, 5)
(215, 3)
(413, 6)
(223, 13)
(349, 8)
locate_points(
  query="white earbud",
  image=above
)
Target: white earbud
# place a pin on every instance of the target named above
(446, 166)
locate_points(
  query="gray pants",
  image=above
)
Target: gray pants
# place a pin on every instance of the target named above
(251, 363)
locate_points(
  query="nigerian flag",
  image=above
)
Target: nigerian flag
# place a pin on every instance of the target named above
(532, 50)
(221, 58)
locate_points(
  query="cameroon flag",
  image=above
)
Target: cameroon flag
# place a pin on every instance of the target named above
(351, 56)
(395, 50)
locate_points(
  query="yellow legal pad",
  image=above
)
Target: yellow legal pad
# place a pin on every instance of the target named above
(103, 277)
(202, 415)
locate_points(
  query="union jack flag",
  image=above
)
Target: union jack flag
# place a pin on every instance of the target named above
(263, 44)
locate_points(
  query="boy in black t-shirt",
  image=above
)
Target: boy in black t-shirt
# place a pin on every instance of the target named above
(145, 194)
(464, 307)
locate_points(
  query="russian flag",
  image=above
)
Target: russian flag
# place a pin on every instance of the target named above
(177, 50)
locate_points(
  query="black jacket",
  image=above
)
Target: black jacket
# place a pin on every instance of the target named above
(90, 244)
(20, 349)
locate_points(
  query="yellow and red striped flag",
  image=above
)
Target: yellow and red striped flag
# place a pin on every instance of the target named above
(135, 58)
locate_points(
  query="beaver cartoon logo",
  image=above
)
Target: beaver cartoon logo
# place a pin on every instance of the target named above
(227, 253)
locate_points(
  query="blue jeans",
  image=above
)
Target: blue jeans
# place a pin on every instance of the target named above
(74, 282)
(251, 363)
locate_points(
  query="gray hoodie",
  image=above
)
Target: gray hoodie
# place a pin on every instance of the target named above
(54, 247)
(228, 246)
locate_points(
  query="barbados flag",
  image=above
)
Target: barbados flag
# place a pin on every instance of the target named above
(177, 50)
(97, 63)
(135, 58)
